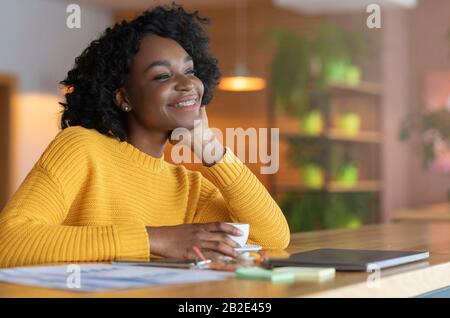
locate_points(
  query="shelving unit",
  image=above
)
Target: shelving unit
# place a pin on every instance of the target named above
(335, 134)
(365, 146)
(335, 187)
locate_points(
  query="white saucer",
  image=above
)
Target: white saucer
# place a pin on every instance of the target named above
(248, 248)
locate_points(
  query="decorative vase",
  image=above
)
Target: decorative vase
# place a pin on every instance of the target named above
(336, 71)
(354, 223)
(350, 123)
(312, 123)
(353, 76)
(349, 175)
(313, 176)
(342, 71)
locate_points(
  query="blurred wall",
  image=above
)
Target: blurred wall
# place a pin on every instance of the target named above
(395, 73)
(413, 43)
(38, 49)
(429, 50)
(410, 43)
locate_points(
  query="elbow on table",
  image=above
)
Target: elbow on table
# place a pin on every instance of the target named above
(278, 243)
(283, 242)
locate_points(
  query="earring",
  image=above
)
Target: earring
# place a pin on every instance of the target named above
(127, 108)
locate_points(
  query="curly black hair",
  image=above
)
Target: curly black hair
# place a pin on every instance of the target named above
(103, 66)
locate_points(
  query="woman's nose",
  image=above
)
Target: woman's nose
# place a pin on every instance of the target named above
(184, 83)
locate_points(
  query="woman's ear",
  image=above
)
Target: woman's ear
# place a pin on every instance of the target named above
(121, 100)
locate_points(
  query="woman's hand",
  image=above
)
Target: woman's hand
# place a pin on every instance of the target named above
(177, 241)
(202, 141)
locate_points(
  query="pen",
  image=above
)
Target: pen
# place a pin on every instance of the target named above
(198, 253)
(203, 261)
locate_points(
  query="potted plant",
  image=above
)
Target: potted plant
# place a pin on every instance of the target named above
(349, 123)
(433, 130)
(317, 210)
(344, 169)
(305, 64)
(308, 155)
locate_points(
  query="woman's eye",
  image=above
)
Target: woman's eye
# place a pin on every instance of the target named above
(166, 76)
(161, 77)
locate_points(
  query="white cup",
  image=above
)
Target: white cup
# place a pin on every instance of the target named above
(241, 240)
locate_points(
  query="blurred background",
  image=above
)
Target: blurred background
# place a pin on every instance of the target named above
(361, 97)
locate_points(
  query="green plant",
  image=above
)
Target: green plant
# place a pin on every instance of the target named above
(347, 210)
(313, 123)
(317, 211)
(303, 64)
(433, 129)
(306, 151)
(350, 123)
(314, 151)
(313, 176)
(339, 161)
(303, 213)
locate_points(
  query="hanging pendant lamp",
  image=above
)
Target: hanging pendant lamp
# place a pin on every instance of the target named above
(240, 80)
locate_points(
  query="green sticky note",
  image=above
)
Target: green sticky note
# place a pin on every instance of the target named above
(259, 273)
(313, 274)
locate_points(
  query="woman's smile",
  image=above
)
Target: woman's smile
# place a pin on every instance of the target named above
(187, 103)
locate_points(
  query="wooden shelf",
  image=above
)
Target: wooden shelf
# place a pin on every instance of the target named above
(361, 186)
(364, 148)
(334, 187)
(335, 134)
(366, 88)
(363, 136)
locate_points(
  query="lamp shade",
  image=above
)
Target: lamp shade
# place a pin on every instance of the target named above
(240, 81)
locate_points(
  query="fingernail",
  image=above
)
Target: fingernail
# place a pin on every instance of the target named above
(239, 232)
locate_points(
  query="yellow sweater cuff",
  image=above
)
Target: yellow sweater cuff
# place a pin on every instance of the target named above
(133, 241)
(227, 170)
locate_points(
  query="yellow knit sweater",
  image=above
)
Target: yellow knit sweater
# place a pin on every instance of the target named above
(89, 197)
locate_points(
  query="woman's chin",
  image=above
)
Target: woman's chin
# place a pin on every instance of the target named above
(188, 124)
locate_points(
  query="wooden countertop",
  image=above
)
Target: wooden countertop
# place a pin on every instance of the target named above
(401, 281)
(429, 213)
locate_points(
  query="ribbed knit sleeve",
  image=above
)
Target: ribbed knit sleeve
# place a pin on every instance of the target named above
(237, 195)
(32, 229)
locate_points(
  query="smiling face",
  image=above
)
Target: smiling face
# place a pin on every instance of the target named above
(162, 89)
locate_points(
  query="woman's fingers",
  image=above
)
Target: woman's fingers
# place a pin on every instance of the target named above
(212, 254)
(219, 246)
(214, 237)
(204, 116)
(223, 227)
(217, 237)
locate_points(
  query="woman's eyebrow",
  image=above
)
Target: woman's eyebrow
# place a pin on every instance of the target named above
(166, 63)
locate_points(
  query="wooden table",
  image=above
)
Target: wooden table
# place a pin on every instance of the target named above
(429, 213)
(402, 281)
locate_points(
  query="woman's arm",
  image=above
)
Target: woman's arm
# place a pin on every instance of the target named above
(31, 230)
(238, 196)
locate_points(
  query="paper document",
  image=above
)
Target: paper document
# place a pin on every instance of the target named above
(101, 277)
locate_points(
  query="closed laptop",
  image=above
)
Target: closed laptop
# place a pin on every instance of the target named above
(349, 260)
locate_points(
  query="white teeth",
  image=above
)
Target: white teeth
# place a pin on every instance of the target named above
(186, 103)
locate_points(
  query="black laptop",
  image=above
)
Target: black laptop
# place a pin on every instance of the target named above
(349, 260)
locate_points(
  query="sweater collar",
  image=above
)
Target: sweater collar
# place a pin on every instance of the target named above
(141, 158)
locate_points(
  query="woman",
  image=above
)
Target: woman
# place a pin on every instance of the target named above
(102, 191)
